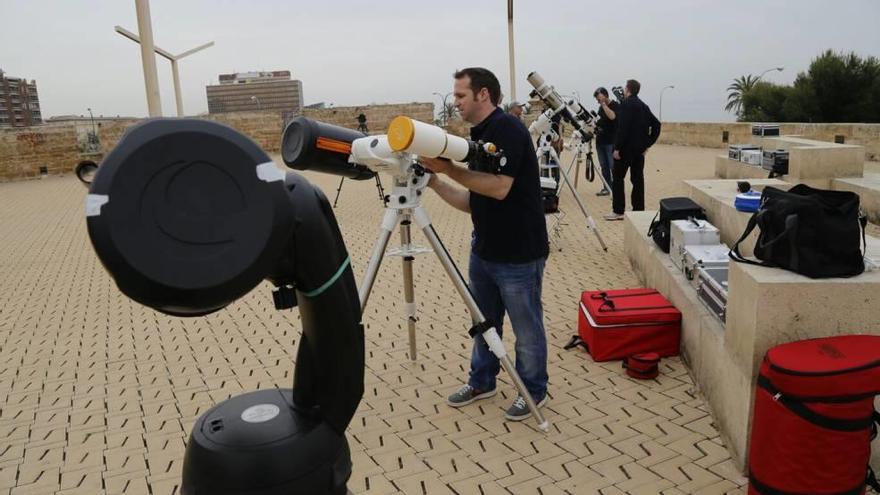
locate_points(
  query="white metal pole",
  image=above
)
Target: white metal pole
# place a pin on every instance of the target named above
(177, 94)
(151, 78)
(510, 47)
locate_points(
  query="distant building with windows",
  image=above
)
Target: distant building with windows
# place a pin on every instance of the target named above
(19, 102)
(252, 91)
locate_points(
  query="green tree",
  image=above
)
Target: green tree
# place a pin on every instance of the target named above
(764, 102)
(736, 90)
(838, 87)
(845, 87)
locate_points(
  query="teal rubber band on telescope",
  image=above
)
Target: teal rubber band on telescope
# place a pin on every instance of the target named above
(332, 280)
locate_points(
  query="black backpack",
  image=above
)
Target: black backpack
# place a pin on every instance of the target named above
(672, 209)
(814, 232)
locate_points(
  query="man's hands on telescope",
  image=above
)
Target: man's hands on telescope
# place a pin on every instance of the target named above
(495, 186)
(436, 165)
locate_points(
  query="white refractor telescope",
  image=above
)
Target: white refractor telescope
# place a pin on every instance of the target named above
(308, 144)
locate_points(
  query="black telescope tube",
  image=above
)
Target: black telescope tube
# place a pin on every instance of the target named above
(311, 145)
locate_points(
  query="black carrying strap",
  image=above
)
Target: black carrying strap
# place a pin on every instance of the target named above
(591, 169)
(653, 225)
(811, 416)
(871, 480)
(576, 341)
(791, 226)
(608, 301)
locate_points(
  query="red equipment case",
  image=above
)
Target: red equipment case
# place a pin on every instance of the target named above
(615, 324)
(814, 417)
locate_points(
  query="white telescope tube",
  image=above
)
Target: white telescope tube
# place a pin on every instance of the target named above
(546, 91)
(406, 134)
(542, 123)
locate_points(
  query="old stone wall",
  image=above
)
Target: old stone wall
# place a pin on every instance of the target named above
(60, 147)
(711, 135)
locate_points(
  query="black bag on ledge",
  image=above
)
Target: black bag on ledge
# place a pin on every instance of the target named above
(672, 209)
(813, 232)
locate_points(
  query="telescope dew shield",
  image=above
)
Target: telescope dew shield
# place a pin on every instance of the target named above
(406, 134)
(188, 215)
(545, 91)
(311, 145)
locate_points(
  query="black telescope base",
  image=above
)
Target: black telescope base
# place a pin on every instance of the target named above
(259, 444)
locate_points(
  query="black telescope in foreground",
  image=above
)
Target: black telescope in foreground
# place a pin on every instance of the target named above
(189, 215)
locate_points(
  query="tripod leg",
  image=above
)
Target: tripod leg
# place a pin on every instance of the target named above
(408, 292)
(388, 223)
(591, 224)
(381, 191)
(592, 164)
(489, 334)
(338, 190)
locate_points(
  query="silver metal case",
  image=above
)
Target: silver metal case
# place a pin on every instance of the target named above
(712, 290)
(690, 233)
(708, 256)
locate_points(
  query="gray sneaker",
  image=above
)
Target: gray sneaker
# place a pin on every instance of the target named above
(613, 216)
(519, 411)
(467, 394)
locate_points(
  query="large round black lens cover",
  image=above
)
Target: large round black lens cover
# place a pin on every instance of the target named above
(188, 215)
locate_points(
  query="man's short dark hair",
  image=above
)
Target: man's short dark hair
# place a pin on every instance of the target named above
(482, 78)
(600, 90)
(633, 86)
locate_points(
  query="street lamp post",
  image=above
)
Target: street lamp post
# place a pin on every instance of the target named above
(151, 79)
(443, 112)
(660, 117)
(254, 98)
(173, 58)
(780, 69)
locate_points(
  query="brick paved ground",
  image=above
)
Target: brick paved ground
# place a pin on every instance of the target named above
(98, 394)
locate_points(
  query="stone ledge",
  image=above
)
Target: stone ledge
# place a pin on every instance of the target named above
(868, 189)
(702, 337)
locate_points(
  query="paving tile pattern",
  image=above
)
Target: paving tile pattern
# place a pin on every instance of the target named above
(98, 393)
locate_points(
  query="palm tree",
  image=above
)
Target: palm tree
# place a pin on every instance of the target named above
(735, 92)
(448, 112)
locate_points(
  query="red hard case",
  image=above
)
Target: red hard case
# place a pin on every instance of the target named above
(615, 324)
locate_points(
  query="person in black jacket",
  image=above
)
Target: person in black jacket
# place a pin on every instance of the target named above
(637, 130)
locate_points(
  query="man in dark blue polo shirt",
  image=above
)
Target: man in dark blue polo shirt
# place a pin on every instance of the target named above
(509, 246)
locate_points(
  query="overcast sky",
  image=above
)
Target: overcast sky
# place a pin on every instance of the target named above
(353, 52)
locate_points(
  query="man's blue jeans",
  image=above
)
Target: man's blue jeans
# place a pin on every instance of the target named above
(606, 161)
(516, 288)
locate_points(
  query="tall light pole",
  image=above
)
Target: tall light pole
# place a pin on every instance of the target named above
(780, 69)
(510, 48)
(151, 78)
(254, 98)
(173, 58)
(660, 117)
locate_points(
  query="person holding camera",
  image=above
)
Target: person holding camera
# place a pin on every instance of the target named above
(637, 130)
(509, 247)
(606, 128)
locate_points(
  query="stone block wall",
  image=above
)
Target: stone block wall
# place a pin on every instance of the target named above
(58, 146)
(23, 152)
(710, 135)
